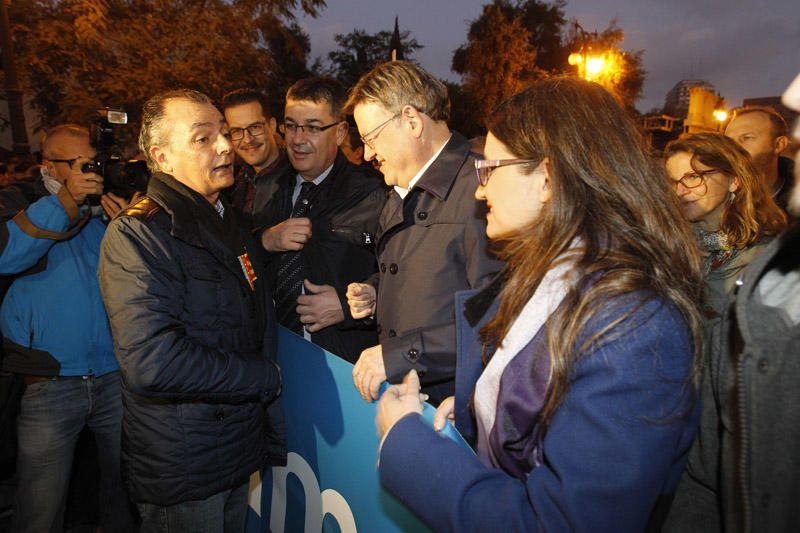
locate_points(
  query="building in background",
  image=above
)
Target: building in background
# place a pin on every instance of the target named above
(676, 103)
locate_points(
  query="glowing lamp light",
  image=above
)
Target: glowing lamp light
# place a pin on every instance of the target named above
(594, 66)
(720, 115)
(575, 59)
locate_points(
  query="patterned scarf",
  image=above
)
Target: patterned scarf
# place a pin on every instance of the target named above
(715, 245)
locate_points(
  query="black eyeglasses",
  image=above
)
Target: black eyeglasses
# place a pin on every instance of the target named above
(310, 129)
(693, 180)
(67, 161)
(256, 129)
(371, 136)
(484, 167)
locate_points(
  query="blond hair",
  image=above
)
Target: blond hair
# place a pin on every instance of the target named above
(395, 84)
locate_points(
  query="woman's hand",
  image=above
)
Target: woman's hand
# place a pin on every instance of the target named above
(398, 401)
(445, 412)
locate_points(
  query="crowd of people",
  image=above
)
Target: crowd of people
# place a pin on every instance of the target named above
(614, 334)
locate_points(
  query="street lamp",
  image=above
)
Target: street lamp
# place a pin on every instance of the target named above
(590, 64)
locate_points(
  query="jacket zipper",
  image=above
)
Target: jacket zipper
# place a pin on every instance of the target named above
(744, 445)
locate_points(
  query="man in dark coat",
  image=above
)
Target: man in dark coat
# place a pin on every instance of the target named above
(193, 329)
(320, 216)
(253, 134)
(432, 241)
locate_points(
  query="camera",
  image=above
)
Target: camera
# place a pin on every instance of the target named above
(120, 176)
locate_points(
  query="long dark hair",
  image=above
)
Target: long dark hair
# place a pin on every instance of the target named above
(611, 195)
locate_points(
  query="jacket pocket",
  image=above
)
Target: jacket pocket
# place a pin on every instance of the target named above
(352, 235)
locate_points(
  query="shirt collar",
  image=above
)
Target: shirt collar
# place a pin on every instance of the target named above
(402, 191)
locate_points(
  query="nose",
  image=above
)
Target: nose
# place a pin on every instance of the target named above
(369, 153)
(681, 189)
(223, 144)
(480, 193)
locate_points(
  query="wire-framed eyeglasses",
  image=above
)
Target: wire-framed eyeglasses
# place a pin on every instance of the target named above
(372, 135)
(484, 167)
(693, 180)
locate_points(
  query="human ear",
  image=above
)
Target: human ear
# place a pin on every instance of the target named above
(734, 184)
(160, 157)
(413, 118)
(781, 143)
(341, 132)
(546, 192)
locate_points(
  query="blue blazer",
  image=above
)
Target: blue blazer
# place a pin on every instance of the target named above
(615, 447)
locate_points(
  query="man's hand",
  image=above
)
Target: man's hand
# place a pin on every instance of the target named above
(113, 205)
(361, 299)
(319, 307)
(288, 236)
(80, 185)
(369, 372)
(398, 401)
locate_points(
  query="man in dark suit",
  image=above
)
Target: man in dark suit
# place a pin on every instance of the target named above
(432, 240)
(319, 216)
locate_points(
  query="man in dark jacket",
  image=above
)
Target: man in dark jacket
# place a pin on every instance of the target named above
(432, 240)
(320, 215)
(743, 472)
(253, 131)
(193, 329)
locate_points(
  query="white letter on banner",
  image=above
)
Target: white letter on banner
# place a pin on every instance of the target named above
(334, 504)
(317, 504)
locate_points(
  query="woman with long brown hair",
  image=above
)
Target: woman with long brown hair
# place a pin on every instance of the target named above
(578, 367)
(723, 195)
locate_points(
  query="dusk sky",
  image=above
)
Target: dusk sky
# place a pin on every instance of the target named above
(745, 48)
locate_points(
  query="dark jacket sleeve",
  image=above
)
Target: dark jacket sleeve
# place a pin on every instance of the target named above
(142, 286)
(613, 447)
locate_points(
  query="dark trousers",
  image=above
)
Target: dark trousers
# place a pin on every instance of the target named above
(224, 511)
(52, 415)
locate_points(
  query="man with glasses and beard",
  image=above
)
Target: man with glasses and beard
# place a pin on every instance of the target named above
(252, 131)
(319, 216)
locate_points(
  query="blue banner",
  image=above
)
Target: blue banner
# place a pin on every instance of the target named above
(330, 482)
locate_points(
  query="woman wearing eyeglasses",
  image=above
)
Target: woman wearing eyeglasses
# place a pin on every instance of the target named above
(577, 371)
(723, 195)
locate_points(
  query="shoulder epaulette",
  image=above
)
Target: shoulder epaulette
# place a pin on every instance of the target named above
(142, 209)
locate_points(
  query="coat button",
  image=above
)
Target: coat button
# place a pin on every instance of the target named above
(219, 414)
(393, 268)
(383, 267)
(763, 364)
(421, 374)
(422, 215)
(392, 333)
(413, 355)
